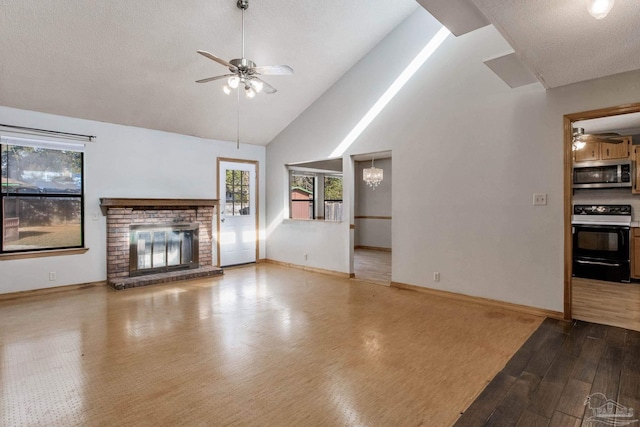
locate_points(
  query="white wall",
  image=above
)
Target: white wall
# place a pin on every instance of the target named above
(123, 162)
(478, 150)
(373, 232)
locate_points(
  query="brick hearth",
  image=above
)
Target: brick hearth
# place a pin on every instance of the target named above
(122, 213)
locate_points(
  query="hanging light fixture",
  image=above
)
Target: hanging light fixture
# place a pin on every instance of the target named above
(578, 144)
(599, 9)
(372, 176)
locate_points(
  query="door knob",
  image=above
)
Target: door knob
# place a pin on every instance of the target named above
(221, 219)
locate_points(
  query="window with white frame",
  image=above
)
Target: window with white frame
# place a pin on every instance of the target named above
(42, 195)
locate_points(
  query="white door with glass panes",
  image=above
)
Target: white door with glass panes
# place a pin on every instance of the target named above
(238, 227)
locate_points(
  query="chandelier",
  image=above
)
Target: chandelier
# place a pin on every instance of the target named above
(372, 176)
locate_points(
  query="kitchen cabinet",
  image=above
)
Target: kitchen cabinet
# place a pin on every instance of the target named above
(603, 151)
(635, 156)
(616, 151)
(590, 151)
(635, 253)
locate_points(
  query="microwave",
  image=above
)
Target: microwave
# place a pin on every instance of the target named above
(602, 174)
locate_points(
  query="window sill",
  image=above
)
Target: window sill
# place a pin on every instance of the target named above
(42, 254)
(311, 220)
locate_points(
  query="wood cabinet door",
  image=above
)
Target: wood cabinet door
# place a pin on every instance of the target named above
(615, 151)
(635, 154)
(635, 253)
(590, 151)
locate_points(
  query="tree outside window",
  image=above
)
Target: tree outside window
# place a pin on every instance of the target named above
(333, 198)
(42, 198)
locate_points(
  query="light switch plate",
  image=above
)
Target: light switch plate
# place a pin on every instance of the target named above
(539, 199)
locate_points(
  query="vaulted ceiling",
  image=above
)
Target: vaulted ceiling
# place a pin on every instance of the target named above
(135, 62)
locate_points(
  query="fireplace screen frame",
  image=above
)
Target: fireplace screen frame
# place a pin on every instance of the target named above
(134, 270)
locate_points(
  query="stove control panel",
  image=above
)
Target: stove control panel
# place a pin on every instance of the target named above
(602, 210)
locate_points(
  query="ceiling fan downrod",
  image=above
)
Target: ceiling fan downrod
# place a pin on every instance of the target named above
(243, 5)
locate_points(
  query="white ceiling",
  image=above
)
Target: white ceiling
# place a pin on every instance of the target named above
(562, 44)
(624, 124)
(135, 62)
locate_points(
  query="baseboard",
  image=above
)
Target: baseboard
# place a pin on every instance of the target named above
(372, 248)
(48, 291)
(306, 268)
(483, 301)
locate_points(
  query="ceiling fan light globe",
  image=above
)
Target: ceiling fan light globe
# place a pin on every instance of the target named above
(226, 89)
(257, 85)
(233, 82)
(599, 9)
(250, 93)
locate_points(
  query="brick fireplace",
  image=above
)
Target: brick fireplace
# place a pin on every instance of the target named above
(151, 260)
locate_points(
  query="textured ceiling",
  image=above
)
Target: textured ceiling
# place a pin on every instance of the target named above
(625, 124)
(562, 44)
(135, 62)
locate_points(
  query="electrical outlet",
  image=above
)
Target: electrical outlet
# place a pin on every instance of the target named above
(539, 199)
(52, 276)
(436, 276)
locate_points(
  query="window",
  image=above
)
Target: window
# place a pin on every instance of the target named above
(42, 195)
(303, 196)
(315, 195)
(237, 189)
(333, 198)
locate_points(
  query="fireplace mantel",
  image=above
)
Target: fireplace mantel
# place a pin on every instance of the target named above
(115, 202)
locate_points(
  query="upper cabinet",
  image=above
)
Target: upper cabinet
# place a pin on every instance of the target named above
(616, 151)
(635, 156)
(603, 151)
(590, 151)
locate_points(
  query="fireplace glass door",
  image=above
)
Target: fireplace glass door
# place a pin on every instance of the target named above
(159, 248)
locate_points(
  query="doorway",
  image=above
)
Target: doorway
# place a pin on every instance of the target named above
(610, 122)
(372, 240)
(237, 241)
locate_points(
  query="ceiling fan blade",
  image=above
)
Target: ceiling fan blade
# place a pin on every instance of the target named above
(266, 87)
(596, 138)
(605, 134)
(210, 79)
(218, 60)
(273, 70)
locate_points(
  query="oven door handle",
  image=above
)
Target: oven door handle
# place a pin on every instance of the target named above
(579, 261)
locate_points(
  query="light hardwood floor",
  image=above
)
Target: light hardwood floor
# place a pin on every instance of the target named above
(372, 265)
(262, 345)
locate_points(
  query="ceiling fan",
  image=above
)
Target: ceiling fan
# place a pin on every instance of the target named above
(244, 71)
(608, 137)
(580, 138)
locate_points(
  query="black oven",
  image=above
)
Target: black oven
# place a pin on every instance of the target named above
(601, 252)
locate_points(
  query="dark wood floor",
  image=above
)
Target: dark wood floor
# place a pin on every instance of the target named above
(547, 382)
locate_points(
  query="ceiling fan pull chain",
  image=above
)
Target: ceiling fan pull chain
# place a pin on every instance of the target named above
(238, 120)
